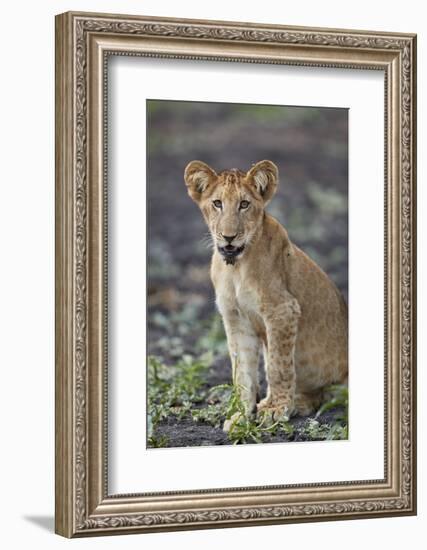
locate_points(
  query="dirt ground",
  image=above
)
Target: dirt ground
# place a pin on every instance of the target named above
(309, 145)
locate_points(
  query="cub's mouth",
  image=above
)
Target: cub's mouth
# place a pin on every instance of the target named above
(230, 252)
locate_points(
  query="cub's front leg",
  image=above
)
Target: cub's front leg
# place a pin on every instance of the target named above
(281, 323)
(244, 348)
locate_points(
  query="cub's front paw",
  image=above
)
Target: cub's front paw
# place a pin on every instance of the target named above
(270, 411)
(232, 421)
(237, 418)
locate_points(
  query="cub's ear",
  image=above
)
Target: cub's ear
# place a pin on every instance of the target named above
(198, 177)
(264, 176)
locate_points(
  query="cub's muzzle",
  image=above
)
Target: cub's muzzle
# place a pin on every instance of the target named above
(230, 252)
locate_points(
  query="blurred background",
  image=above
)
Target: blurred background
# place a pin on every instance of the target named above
(310, 147)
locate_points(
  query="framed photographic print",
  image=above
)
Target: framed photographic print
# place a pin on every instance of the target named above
(235, 274)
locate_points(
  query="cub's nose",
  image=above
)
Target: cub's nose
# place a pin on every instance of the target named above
(229, 239)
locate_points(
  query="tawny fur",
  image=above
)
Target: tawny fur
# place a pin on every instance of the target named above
(274, 300)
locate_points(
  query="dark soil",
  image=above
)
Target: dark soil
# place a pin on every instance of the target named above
(186, 433)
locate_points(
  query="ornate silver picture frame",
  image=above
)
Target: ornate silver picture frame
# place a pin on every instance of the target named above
(84, 42)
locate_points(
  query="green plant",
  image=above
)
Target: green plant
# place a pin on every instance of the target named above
(173, 390)
(317, 431)
(337, 397)
(338, 402)
(212, 414)
(157, 441)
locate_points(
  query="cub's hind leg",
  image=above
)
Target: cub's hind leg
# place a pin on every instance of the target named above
(307, 403)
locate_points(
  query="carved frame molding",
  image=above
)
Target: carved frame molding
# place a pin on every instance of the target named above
(83, 44)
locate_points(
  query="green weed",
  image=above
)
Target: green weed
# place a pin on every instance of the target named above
(317, 431)
(157, 441)
(174, 390)
(212, 414)
(338, 397)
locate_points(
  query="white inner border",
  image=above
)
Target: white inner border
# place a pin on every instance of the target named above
(133, 468)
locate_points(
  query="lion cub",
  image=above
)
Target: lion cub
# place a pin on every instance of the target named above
(271, 295)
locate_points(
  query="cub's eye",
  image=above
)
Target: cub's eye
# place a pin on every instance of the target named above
(217, 204)
(244, 205)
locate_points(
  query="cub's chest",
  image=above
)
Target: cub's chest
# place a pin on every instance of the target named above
(236, 293)
(246, 299)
